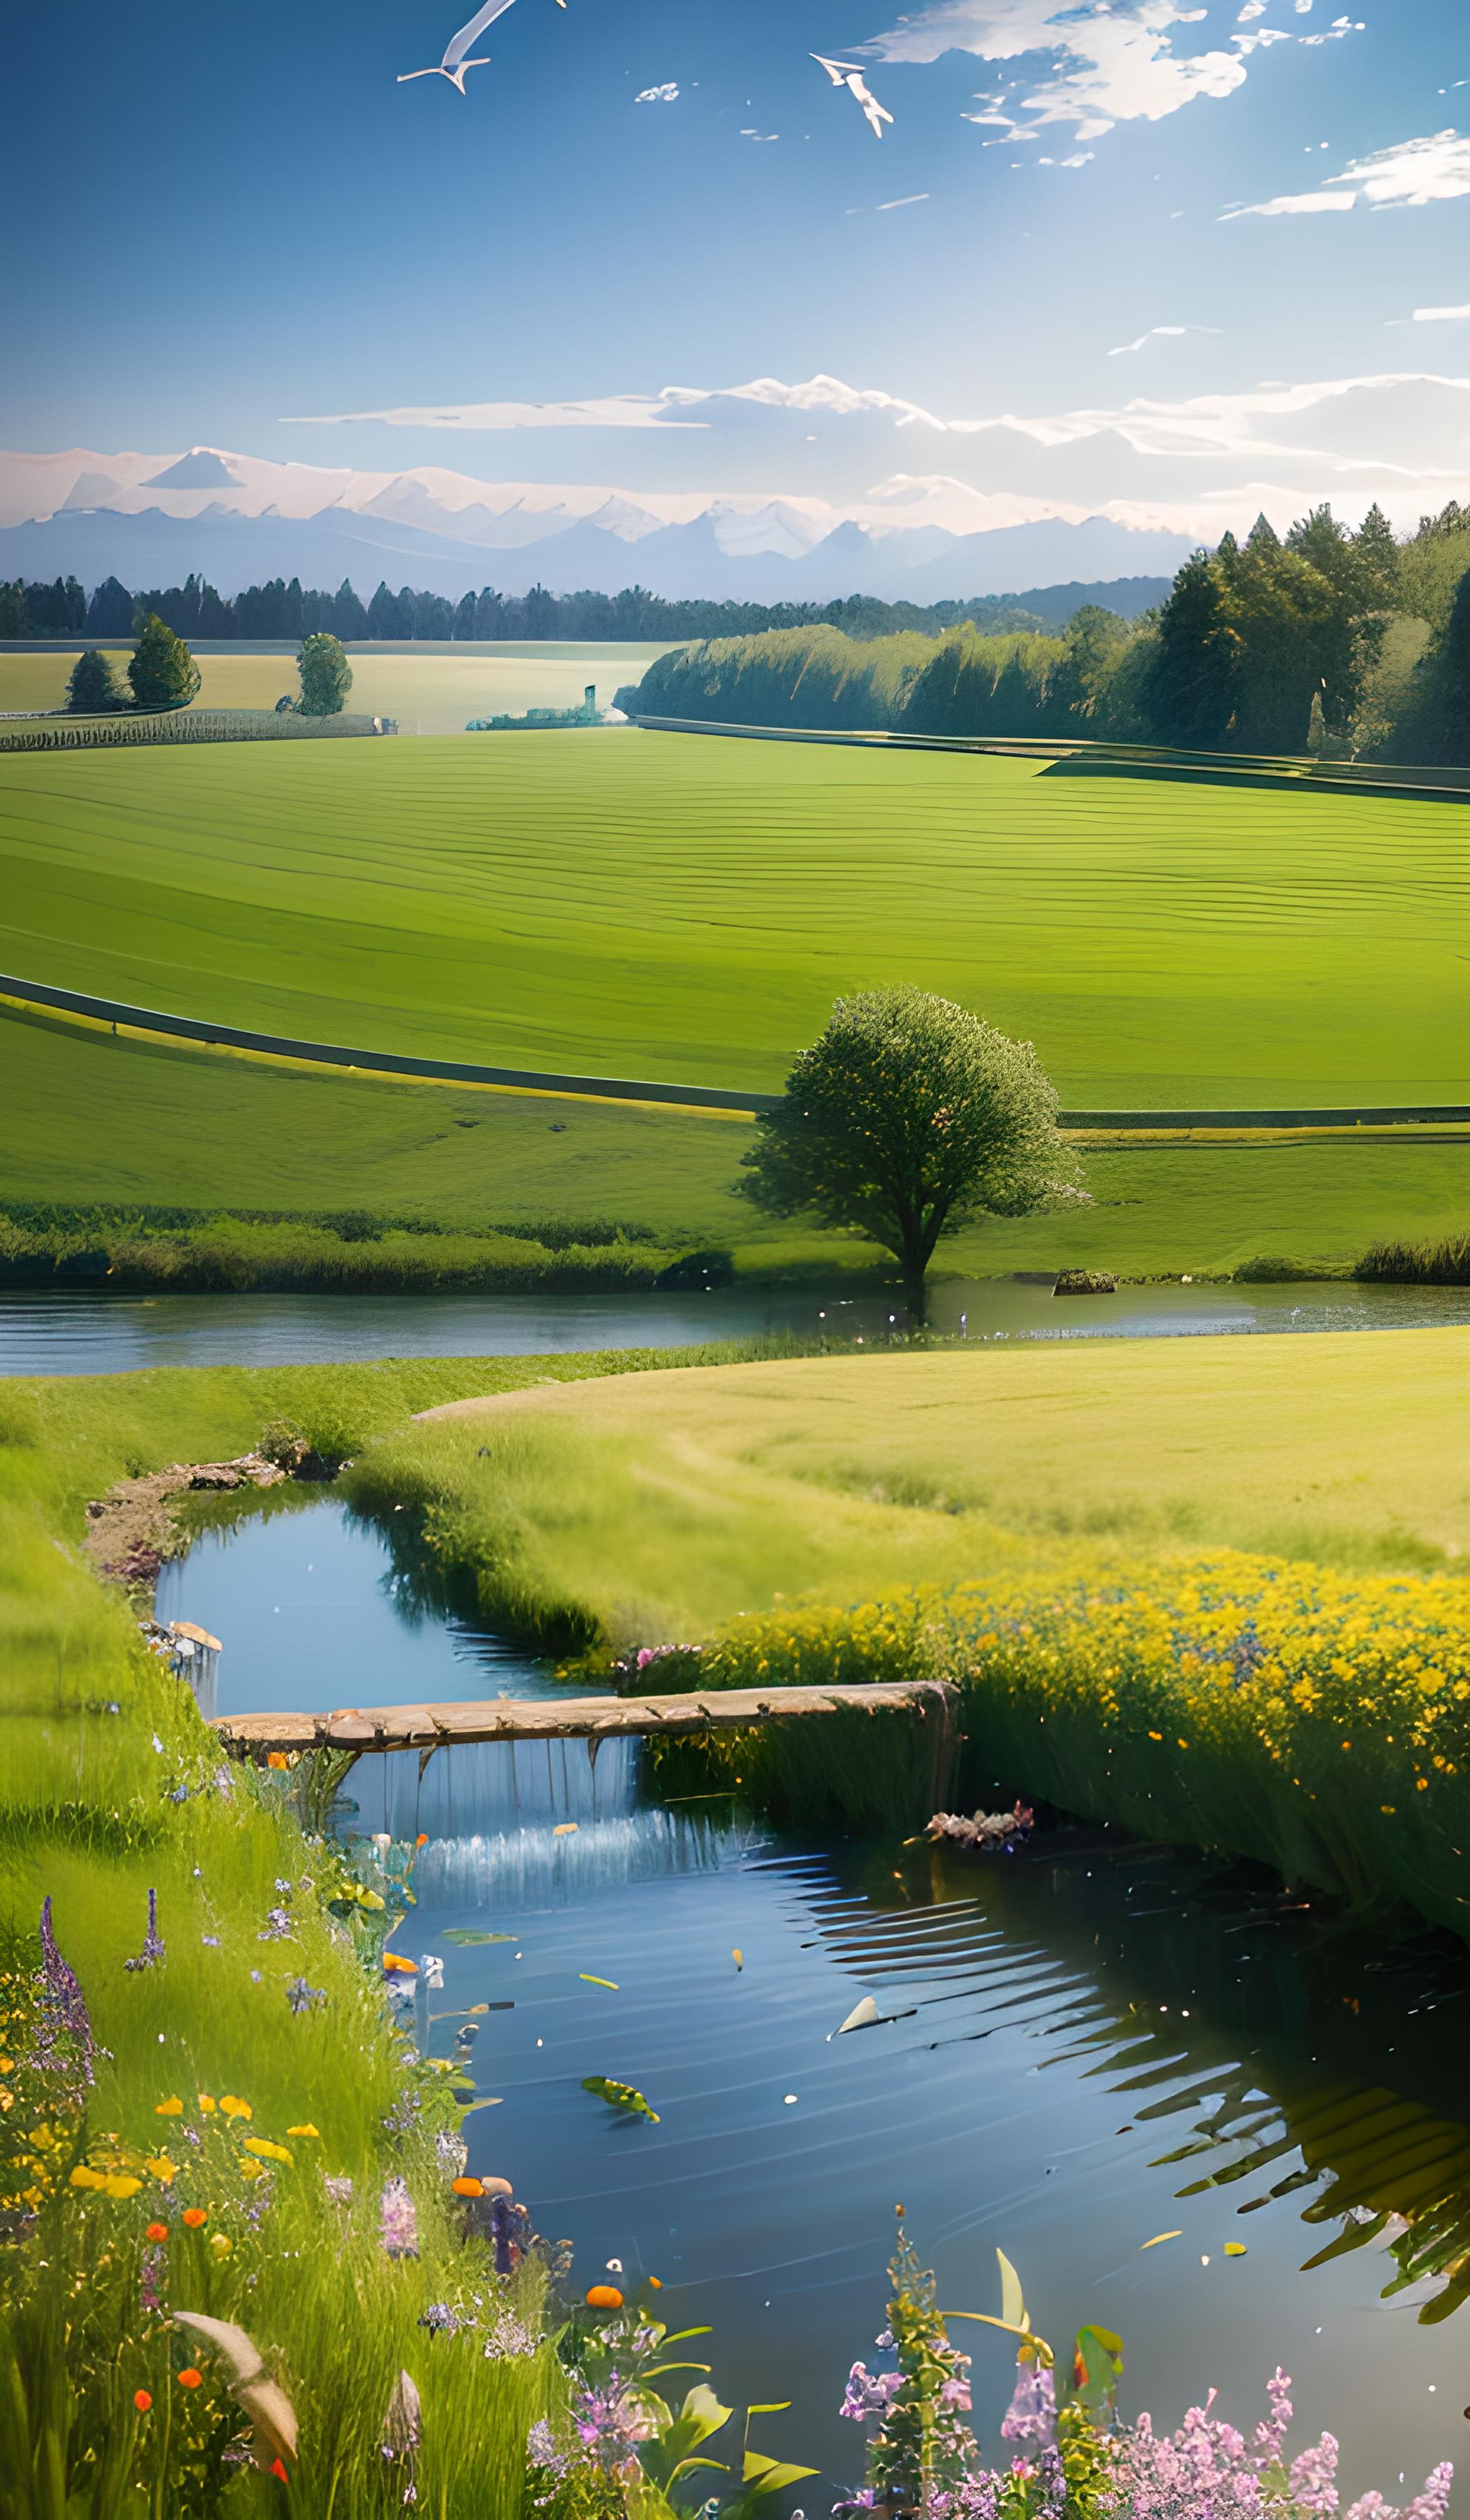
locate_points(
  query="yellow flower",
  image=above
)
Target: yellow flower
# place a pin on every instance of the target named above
(81, 2176)
(171, 2108)
(118, 2184)
(303, 2129)
(162, 2168)
(221, 2244)
(234, 2108)
(267, 2152)
(207, 2105)
(251, 2170)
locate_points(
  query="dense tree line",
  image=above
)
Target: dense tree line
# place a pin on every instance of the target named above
(282, 611)
(1348, 645)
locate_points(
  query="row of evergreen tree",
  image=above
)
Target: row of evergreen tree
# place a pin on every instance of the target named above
(282, 611)
(1329, 641)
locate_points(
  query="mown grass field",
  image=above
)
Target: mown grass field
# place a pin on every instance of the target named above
(88, 1120)
(661, 1504)
(687, 908)
(431, 690)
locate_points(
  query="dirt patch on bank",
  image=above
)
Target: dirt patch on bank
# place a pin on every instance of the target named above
(134, 1527)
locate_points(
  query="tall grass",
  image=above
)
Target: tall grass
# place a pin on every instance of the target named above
(1444, 1263)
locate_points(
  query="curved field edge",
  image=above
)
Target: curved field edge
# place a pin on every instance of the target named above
(1028, 1525)
(90, 1123)
(645, 908)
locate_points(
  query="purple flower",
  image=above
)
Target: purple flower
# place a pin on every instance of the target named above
(1031, 2415)
(438, 2319)
(63, 2011)
(339, 2189)
(277, 1926)
(151, 2267)
(869, 2393)
(608, 2425)
(301, 1997)
(398, 2221)
(153, 1949)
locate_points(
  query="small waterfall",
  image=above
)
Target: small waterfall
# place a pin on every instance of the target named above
(531, 1866)
(488, 1789)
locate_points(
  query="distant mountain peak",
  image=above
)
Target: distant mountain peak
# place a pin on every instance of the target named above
(202, 468)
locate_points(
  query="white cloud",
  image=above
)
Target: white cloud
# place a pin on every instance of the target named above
(1116, 62)
(1406, 176)
(904, 201)
(664, 95)
(1161, 332)
(1252, 9)
(1442, 314)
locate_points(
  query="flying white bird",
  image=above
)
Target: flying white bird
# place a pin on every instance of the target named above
(847, 74)
(454, 65)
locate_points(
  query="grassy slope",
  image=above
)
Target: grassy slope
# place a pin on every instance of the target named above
(675, 907)
(660, 1506)
(432, 691)
(89, 1119)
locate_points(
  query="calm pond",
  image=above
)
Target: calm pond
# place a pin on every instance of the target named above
(1081, 2048)
(96, 1333)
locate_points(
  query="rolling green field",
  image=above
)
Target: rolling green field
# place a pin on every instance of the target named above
(662, 1505)
(687, 909)
(430, 689)
(86, 1119)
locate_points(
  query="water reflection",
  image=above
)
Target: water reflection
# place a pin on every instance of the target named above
(96, 1333)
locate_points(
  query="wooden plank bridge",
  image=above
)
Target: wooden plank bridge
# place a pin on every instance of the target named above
(453, 1722)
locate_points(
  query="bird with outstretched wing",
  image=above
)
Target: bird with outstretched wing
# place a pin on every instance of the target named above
(454, 64)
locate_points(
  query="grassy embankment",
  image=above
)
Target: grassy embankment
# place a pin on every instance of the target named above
(429, 688)
(111, 1788)
(687, 910)
(1034, 1521)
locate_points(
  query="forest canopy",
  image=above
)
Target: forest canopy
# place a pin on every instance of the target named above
(1347, 645)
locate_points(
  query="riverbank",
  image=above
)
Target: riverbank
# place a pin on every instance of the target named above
(249, 2091)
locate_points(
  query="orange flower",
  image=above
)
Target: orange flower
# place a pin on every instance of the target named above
(195, 2217)
(604, 2297)
(423, 1837)
(142, 2401)
(158, 2231)
(468, 2187)
(657, 2285)
(277, 2469)
(189, 2378)
(395, 1961)
(276, 1759)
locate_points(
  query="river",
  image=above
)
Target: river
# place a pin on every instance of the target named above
(97, 1333)
(1081, 2049)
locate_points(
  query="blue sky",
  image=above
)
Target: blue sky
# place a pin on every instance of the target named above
(240, 225)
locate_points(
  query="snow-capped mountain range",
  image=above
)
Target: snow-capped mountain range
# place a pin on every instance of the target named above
(149, 520)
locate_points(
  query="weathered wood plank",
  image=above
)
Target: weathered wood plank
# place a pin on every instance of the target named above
(440, 1725)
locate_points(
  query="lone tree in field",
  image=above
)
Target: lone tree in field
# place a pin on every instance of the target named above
(93, 685)
(909, 1119)
(163, 673)
(326, 676)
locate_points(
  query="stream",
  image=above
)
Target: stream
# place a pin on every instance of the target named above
(83, 1333)
(1081, 2048)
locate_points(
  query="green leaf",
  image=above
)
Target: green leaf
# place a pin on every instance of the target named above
(472, 1934)
(1012, 2298)
(769, 2475)
(619, 2095)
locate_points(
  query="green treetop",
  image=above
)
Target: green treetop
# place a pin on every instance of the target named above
(163, 673)
(907, 1119)
(93, 687)
(326, 676)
